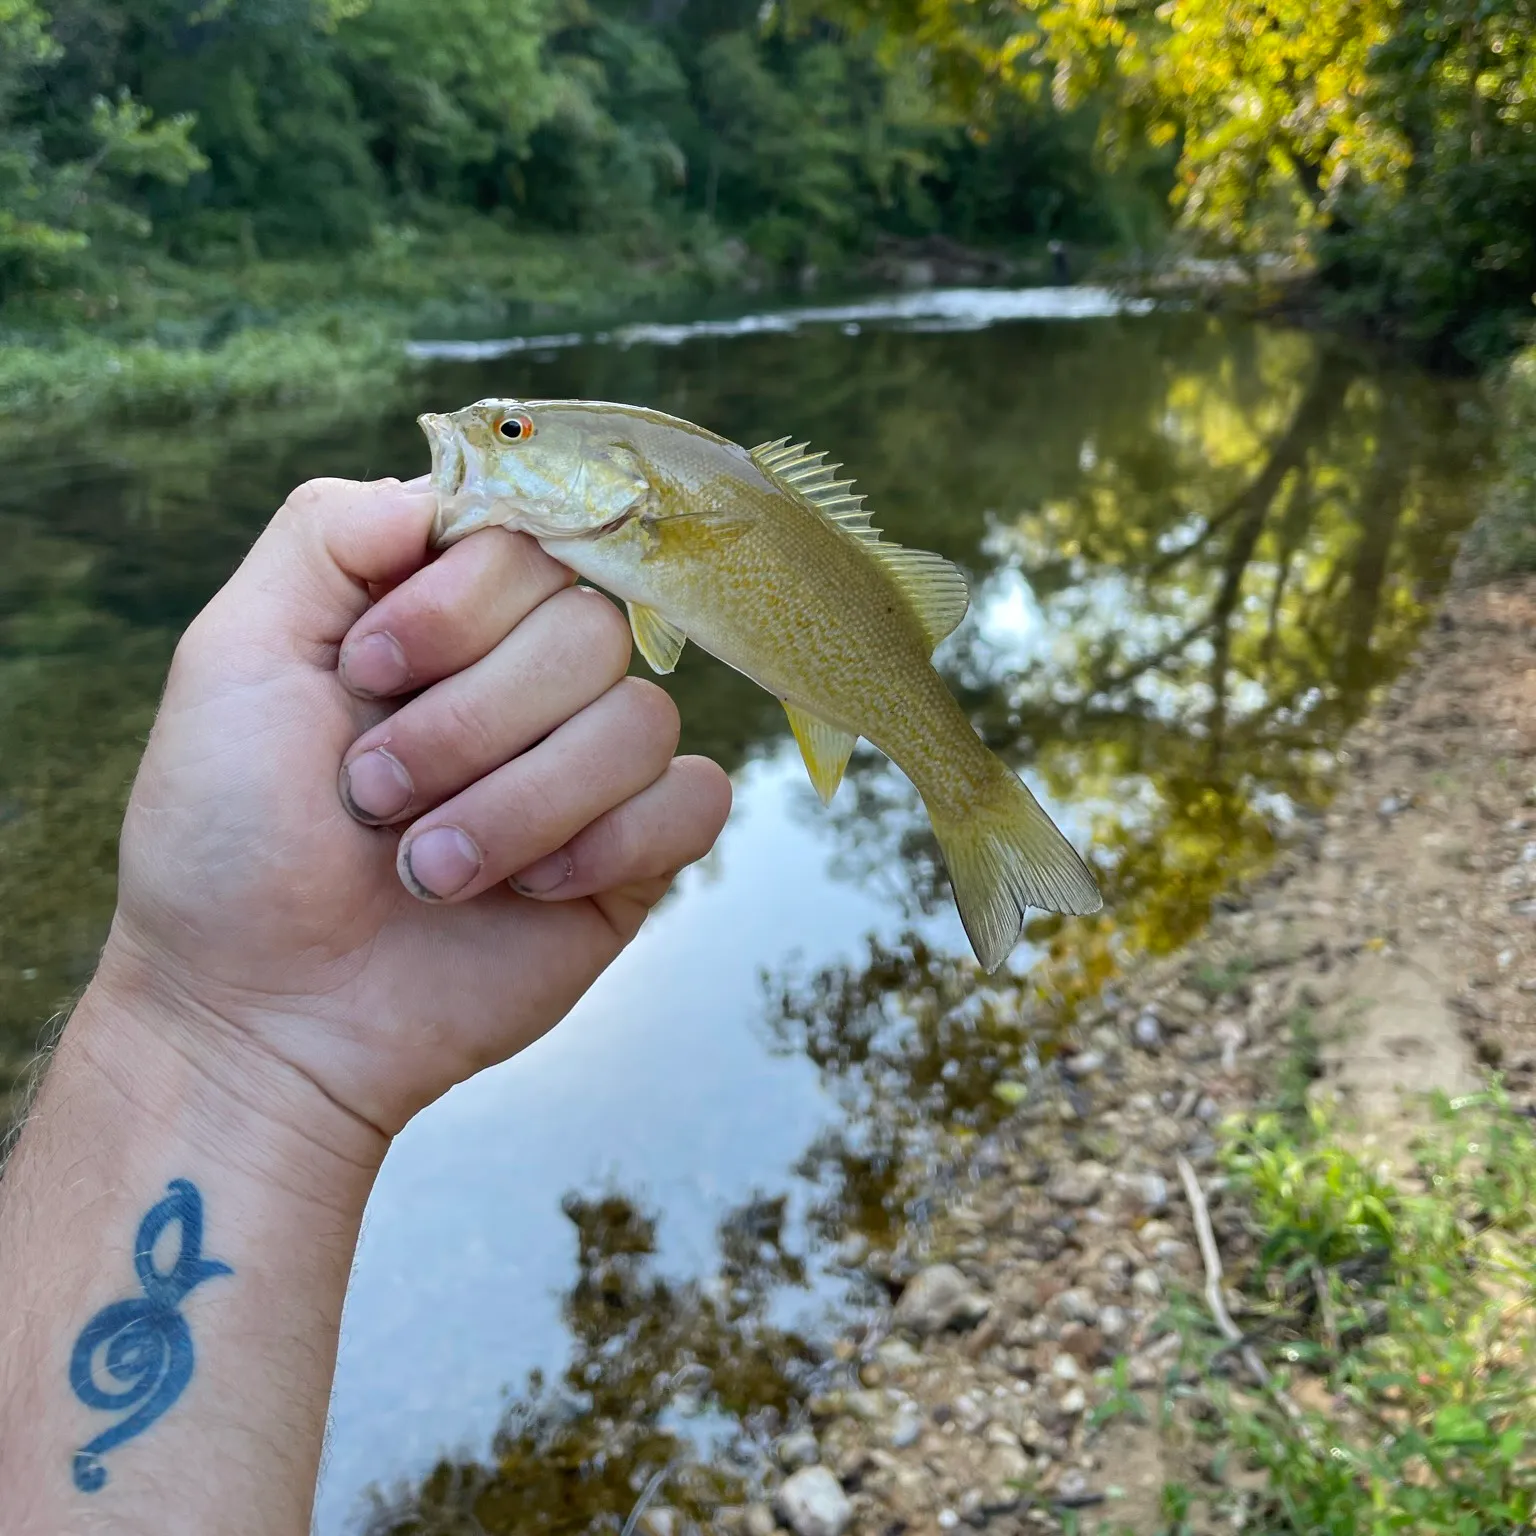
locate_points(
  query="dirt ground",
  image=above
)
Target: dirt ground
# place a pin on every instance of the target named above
(1402, 928)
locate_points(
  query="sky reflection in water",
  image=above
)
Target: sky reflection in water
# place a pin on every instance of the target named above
(1194, 546)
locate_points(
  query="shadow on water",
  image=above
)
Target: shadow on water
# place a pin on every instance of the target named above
(1195, 549)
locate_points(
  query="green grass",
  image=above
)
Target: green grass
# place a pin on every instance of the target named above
(1406, 1308)
(156, 337)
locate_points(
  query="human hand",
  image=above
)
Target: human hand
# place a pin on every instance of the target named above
(361, 932)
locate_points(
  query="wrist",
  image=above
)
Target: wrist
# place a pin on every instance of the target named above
(192, 1077)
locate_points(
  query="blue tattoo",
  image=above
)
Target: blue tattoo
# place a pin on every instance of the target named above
(145, 1345)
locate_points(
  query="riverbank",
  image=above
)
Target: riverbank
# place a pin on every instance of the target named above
(163, 338)
(1063, 1350)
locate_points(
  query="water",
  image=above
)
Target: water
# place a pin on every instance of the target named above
(1195, 546)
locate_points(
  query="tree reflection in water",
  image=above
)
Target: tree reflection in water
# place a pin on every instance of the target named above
(1207, 612)
(685, 1380)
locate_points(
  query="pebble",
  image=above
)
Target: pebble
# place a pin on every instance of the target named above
(948, 1519)
(658, 1521)
(939, 1298)
(1078, 1183)
(1145, 1283)
(1073, 1401)
(1147, 1032)
(812, 1503)
(1084, 1063)
(1113, 1322)
(798, 1450)
(757, 1520)
(906, 1426)
(1073, 1487)
(1078, 1303)
(1150, 1189)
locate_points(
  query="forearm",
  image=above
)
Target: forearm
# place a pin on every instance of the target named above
(183, 1389)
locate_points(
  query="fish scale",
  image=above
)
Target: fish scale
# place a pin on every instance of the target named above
(769, 562)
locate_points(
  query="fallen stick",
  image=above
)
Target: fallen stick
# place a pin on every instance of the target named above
(1210, 1257)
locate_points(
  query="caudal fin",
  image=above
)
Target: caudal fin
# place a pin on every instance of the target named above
(1004, 856)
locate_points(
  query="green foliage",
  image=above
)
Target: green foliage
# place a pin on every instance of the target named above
(1410, 1307)
(242, 131)
(1503, 541)
(1393, 140)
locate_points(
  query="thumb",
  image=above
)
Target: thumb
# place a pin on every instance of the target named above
(307, 579)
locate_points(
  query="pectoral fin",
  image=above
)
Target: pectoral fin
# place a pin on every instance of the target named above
(825, 748)
(660, 642)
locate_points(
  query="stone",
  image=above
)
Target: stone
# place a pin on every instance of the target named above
(1078, 1303)
(1083, 1064)
(1147, 1032)
(1113, 1323)
(757, 1520)
(939, 1298)
(1146, 1283)
(1078, 1183)
(1004, 1474)
(1149, 1190)
(659, 1521)
(812, 1503)
(798, 1450)
(896, 1356)
(1073, 1401)
(1073, 1488)
(906, 1426)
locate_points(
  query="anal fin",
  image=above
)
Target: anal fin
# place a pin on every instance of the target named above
(661, 642)
(825, 748)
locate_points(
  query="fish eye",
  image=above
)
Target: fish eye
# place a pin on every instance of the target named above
(514, 428)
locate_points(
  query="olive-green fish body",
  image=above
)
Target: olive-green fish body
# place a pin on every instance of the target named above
(766, 561)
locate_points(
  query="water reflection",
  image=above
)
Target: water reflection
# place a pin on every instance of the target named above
(1195, 547)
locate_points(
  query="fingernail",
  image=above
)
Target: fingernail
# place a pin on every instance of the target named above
(375, 787)
(374, 665)
(439, 863)
(544, 875)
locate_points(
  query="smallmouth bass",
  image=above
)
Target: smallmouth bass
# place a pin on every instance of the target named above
(766, 560)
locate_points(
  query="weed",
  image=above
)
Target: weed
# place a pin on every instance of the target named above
(1410, 1310)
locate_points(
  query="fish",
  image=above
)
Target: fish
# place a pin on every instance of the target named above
(769, 562)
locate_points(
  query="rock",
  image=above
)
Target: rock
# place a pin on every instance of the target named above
(1149, 1190)
(1073, 1488)
(939, 1298)
(853, 1251)
(659, 1521)
(757, 1520)
(906, 1426)
(1147, 1032)
(948, 1519)
(1084, 1344)
(1073, 1401)
(1004, 1474)
(1083, 1064)
(1146, 1283)
(812, 1503)
(1078, 1303)
(1113, 1323)
(798, 1450)
(1078, 1183)
(896, 1356)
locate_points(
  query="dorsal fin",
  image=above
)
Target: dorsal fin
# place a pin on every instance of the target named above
(933, 586)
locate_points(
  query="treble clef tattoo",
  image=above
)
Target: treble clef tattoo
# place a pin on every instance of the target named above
(144, 1345)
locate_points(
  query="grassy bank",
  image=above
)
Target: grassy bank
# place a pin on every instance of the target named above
(159, 338)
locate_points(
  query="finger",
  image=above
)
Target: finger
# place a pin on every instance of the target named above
(652, 835)
(569, 651)
(449, 614)
(306, 580)
(537, 803)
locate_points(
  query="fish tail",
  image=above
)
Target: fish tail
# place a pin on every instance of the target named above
(1005, 855)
